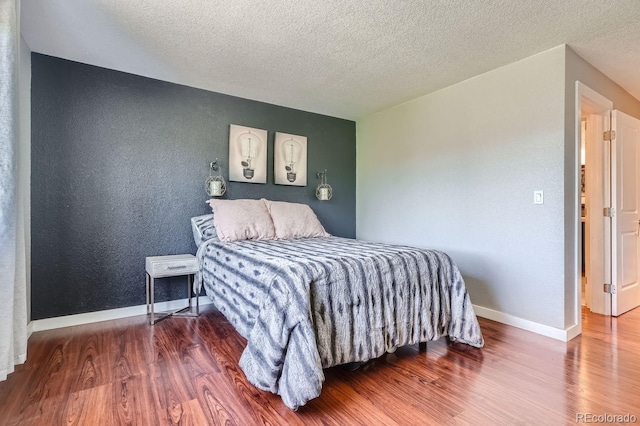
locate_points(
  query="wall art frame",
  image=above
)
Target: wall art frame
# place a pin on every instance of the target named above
(290, 159)
(247, 154)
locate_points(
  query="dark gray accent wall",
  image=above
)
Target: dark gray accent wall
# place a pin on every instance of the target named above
(119, 163)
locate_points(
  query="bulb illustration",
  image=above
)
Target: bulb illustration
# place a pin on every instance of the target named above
(291, 153)
(248, 147)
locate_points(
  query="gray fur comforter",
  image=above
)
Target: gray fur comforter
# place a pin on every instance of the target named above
(304, 305)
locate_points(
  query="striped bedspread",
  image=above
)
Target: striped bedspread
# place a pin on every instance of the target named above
(304, 305)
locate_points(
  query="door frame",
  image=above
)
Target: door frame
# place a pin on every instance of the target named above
(596, 104)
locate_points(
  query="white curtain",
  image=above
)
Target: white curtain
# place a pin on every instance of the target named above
(13, 285)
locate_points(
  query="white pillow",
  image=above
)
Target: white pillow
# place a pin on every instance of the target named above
(237, 220)
(293, 220)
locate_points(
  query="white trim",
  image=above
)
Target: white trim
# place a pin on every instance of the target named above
(583, 94)
(544, 330)
(573, 331)
(111, 314)
(582, 90)
(29, 329)
(130, 311)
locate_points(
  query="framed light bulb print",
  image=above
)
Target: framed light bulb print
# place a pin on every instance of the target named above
(290, 159)
(247, 154)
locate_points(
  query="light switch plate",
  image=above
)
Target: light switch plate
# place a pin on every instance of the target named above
(538, 197)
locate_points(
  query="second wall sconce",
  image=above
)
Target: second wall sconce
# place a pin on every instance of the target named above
(215, 185)
(324, 192)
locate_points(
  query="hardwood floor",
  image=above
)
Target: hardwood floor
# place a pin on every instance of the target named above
(184, 371)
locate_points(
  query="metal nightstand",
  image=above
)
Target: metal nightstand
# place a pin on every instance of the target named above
(171, 266)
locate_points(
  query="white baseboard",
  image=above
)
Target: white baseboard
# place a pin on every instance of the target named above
(534, 327)
(130, 311)
(573, 331)
(111, 314)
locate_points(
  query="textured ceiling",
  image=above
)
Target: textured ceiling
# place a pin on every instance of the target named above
(341, 58)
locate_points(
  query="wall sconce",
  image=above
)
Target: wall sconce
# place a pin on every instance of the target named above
(215, 185)
(324, 192)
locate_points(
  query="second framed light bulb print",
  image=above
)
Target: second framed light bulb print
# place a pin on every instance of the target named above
(290, 159)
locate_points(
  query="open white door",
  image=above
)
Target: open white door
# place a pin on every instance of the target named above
(596, 110)
(625, 222)
(598, 196)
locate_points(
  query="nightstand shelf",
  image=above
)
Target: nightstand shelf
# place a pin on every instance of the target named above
(171, 266)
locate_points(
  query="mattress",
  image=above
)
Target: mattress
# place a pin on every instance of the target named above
(307, 304)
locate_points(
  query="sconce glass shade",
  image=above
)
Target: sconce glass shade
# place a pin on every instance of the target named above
(324, 192)
(215, 186)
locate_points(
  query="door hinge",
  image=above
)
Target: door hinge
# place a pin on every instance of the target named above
(608, 212)
(609, 135)
(609, 288)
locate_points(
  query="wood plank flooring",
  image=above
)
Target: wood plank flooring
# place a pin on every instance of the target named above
(184, 371)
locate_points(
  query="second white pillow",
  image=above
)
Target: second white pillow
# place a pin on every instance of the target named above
(293, 220)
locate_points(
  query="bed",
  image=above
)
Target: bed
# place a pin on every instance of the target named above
(305, 304)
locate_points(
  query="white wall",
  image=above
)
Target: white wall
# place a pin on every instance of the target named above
(455, 170)
(24, 157)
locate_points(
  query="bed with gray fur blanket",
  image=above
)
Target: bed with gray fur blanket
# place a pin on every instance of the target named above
(308, 304)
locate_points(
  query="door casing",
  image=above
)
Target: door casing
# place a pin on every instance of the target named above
(597, 109)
